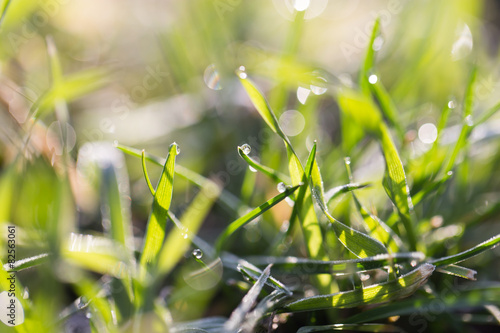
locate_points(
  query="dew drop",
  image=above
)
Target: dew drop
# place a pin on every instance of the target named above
(302, 94)
(449, 173)
(347, 160)
(319, 88)
(301, 5)
(178, 150)
(413, 263)
(212, 78)
(281, 187)
(251, 168)
(377, 43)
(26, 293)
(451, 104)
(246, 148)
(469, 121)
(373, 79)
(241, 72)
(185, 235)
(88, 315)
(197, 253)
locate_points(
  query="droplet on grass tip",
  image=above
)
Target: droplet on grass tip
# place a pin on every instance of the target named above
(347, 160)
(373, 79)
(212, 78)
(469, 121)
(319, 86)
(251, 168)
(197, 253)
(451, 104)
(281, 187)
(377, 43)
(246, 148)
(241, 72)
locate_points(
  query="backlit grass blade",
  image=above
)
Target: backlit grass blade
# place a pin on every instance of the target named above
(463, 272)
(252, 273)
(367, 115)
(26, 263)
(240, 222)
(486, 115)
(333, 193)
(5, 7)
(145, 172)
(266, 305)
(335, 267)
(236, 319)
(358, 243)
(271, 173)
(178, 241)
(402, 287)
(387, 105)
(155, 232)
(369, 60)
(480, 248)
(351, 328)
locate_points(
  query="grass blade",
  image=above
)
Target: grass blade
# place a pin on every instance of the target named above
(155, 232)
(236, 319)
(271, 173)
(369, 60)
(240, 222)
(463, 272)
(26, 263)
(266, 305)
(333, 193)
(404, 286)
(480, 248)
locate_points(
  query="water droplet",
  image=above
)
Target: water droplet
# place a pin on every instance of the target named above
(246, 148)
(212, 78)
(449, 173)
(319, 86)
(302, 94)
(373, 79)
(88, 315)
(281, 187)
(469, 121)
(197, 253)
(301, 5)
(26, 293)
(413, 263)
(451, 104)
(347, 160)
(292, 122)
(241, 72)
(428, 133)
(251, 168)
(377, 43)
(81, 303)
(289, 201)
(185, 235)
(178, 149)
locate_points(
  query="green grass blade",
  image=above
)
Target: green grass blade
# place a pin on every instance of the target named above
(358, 243)
(271, 173)
(145, 172)
(487, 115)
(240, 222)
(237, 317)
(463, 272)
(351, 327)
(333, 193)
(265, 306)
(178, 241)
(155, 232)
(404, 286)
(369, 61)
(336, 267)
(5, 7)
(480, 248)
(25, 263)
(368, 116)
(387, 106)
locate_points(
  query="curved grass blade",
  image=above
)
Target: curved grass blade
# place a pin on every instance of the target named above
(463, 272)
(404, 286)
(178, 241)
(372, 327)
(266, 305)
(146, 176)
(253, 273)
(240, 222)
(335, 267)
(237, 317)
(271, 173)
(480, 248)
(358, 243)
(366, 114)
(333, 193)
(230, 201)
(155, 232)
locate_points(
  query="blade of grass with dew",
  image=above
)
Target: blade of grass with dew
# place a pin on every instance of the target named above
(229, 200)
(378, 229)
(358, 243)
(209, 324)
(459, 299)
(404, 286)
(367, 115)
(266, 305)
(333, 193)
(305, 209)
(456, 258)
(369, 60)
(26, 263)
(240, 222)
(372, 327)
(336, 267)
(155, 232)
(271, 173)
(237, 317)
(463, 272)
(178, 241)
